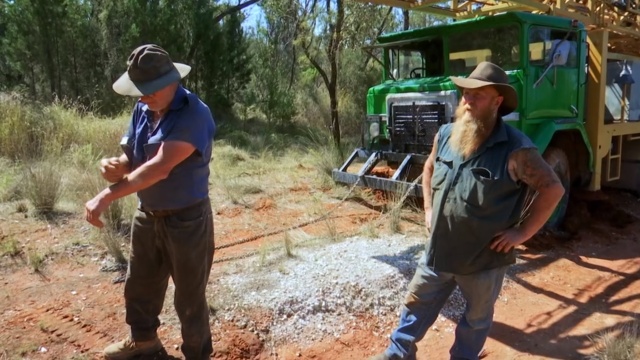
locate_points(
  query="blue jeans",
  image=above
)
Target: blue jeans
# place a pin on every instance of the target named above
(428, 292)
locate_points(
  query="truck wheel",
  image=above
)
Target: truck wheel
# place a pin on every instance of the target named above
(557, 158)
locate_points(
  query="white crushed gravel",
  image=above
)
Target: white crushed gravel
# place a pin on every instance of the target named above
(322, 289)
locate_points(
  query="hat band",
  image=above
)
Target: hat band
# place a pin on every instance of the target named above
(150, 87)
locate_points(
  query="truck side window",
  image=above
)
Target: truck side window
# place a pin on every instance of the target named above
(419, 59)
(498, 45)
(543, 41)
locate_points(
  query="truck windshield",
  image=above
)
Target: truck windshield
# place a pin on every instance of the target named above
(420, 59)
(499, 45)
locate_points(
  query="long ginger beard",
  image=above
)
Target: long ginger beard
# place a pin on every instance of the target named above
(469, 131)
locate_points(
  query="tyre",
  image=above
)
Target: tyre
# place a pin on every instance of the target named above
(557, 159)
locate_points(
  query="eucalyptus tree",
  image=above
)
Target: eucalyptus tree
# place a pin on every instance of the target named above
(273, 85)
(329, 28)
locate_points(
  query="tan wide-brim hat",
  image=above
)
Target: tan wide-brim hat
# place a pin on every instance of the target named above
(149, 69)
(489, 74)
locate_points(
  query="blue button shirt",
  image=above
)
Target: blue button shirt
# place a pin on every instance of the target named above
(188, 120)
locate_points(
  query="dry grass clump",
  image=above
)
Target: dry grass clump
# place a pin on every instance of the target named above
(620, 344)
(113, 241)
(32, 131)
(43, 186)
(9, 246)
(36, 260)
(9, 181)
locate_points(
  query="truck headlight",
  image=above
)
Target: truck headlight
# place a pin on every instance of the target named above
(374, 129)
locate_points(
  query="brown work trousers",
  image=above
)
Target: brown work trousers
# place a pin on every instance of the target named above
(178, 244)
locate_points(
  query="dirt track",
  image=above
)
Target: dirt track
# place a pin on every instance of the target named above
(559, 296)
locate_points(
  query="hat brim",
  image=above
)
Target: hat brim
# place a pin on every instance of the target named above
(508, 92)
(125, 86)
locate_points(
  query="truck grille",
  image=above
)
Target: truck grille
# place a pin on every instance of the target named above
(413, 126)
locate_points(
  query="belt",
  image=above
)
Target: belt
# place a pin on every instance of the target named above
(165, 213)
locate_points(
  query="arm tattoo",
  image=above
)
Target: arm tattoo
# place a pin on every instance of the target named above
(533, 170)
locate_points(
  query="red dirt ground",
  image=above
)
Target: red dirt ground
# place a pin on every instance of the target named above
(563, 294)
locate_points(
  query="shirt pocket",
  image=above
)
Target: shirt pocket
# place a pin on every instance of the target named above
(479, 186)
(441, 169)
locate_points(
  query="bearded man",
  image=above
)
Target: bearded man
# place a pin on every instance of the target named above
(479, 173)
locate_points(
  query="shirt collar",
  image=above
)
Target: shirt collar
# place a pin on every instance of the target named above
(179, 99)
(499, 134)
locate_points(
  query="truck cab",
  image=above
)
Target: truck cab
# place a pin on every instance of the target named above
(544, 57)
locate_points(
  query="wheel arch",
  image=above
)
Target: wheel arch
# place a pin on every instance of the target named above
(573, 140)
(578, 154)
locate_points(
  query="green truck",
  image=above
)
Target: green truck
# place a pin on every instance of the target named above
(573, 100)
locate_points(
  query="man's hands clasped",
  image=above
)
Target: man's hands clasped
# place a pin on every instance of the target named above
(112, 169)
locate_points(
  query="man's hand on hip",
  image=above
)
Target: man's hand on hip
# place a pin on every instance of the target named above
(427, 219)
(506, 240)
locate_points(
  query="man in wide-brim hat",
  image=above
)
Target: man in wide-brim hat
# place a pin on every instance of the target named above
(165, 160)
(475, 185)
(150, 69)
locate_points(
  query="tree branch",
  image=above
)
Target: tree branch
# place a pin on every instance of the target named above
(317, 66)
(232, 10)
(216, 19)
(378, 33)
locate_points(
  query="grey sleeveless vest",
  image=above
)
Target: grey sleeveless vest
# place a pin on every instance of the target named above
(473, 200)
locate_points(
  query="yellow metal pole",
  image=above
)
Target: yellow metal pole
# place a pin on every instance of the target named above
(596, 85)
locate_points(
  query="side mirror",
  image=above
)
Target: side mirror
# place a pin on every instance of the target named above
(588, 57)
(558, 57)
(587, 61)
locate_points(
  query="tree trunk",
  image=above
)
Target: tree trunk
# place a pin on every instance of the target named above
(59, 93)
(333, 51)
(76, 82)
(32, 83)
(335, 119)
(330, 77)
(405, 16)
